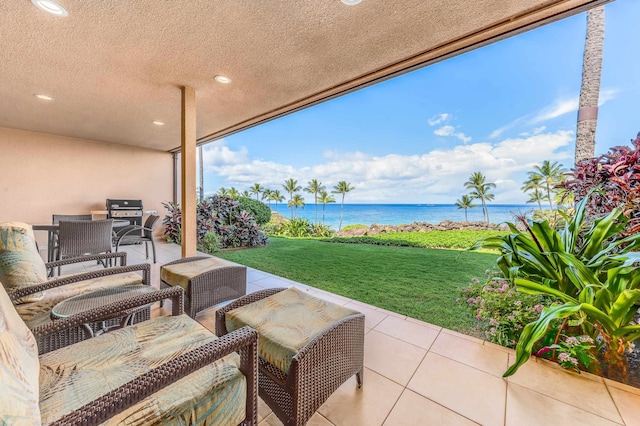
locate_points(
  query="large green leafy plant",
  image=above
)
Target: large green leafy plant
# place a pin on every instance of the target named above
(220, 223)
(590, 272)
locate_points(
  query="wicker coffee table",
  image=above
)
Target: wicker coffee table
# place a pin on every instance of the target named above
(85, 302)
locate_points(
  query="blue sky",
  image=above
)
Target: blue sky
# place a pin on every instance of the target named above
(416, 138)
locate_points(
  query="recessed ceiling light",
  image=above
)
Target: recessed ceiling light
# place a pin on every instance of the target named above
(51, 7)
(351, 2)
(222, 79)
(158, 123)
(43, 97)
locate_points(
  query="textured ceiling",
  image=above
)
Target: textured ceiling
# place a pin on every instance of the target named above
(114, 66)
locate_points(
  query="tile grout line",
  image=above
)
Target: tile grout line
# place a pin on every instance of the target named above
(402, 340)
(614, 402)
(574, 406)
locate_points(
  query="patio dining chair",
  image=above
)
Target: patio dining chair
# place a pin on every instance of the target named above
(84, 237)
(55, 220)
(132, 235)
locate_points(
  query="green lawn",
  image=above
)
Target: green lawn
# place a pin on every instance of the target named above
(417, 282)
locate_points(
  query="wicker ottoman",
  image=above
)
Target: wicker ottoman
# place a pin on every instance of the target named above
(206, 281)
(307, 347)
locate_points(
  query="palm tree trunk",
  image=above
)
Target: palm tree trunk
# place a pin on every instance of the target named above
(590, 89)
(539, 202)
(466, 219)
(485, 210)
(549, 196)
(323, 206)
(315, 198)
(291, 198)
(341, 212)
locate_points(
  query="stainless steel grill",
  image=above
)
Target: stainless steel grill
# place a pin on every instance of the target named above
(130, 210)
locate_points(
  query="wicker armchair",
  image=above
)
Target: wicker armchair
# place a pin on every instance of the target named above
(132, 235)
(82, 237)
(139, 399)
(315, 372)
(74, 335)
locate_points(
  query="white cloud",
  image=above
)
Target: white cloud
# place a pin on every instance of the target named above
(444, 131)
(451, 131)
(558, 108)
(437, 176)
(438, 119)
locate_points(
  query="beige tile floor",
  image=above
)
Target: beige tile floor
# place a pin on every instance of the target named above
(420, 374)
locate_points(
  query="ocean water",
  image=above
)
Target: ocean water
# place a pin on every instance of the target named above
(398, 214)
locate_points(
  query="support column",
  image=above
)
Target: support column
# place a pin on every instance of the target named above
(189, 234)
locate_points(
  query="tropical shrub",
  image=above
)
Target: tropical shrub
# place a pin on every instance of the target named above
(221, 216)
(172, 222)
(298, 228)
(616, 175)
(593, 272)
(500, 311)
(459, 239)
(571, 352)
(355, 226)
(259, 210)
(210, 243)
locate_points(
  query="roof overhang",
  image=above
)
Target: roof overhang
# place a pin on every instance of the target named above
(115, 66)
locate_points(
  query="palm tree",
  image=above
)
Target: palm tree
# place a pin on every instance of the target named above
(342, 188)
(266, 195)
(256, 189)
(533, 187)
(466, 202)
(550, 174)
(291, 185)
(245, 194)
(315, 187)
(277, 197)
(233, 193)
(296, 201)
(223, 192)
(325, 199)
(480, 190)
(590, 89)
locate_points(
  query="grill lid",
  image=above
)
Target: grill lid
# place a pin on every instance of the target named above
(124, 204)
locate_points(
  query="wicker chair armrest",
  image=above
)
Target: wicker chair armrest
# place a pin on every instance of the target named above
(144, 267)
(221, 326)
(175, 294)
(244, 340)
(129, 229)
(122, 255)
(187, 259)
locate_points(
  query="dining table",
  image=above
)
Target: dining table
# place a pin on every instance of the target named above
(53, 229)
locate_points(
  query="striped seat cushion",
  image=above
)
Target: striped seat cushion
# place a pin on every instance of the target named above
(286, 322)
(18, 368)
(20, 262)
(38, 312)
(75, 375)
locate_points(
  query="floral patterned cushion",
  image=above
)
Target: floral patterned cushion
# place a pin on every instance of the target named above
(20, 262)
(75, 375)
(286, 322)
(38, 312)
(179, 274)
(18, 368)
